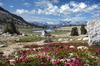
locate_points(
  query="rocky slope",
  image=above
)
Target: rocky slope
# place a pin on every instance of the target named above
(5, 16)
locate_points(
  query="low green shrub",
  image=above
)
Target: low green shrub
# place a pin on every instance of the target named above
(29, 38)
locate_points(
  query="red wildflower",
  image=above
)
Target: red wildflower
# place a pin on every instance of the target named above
(97, 49)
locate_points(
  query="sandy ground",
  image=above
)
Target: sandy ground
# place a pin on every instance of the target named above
(12, 47)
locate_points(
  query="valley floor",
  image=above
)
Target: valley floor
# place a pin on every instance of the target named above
(35, 43)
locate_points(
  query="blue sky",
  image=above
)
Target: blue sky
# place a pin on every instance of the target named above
(54, 10)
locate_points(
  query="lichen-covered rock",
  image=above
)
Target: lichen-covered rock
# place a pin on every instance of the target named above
(93, 28)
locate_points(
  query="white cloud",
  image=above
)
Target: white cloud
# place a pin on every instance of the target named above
(73, 4)
(51, 9)
(74, 19)
(79, 7)
(91, 8)
(1, 4)
(27, 4)
(39, 11)
(11, 6)
(68, 8)
(64, 8)
(82, 5)
(46, 2)
(72, 7)
(33, 12)
(24, 11)
(42, 3)
(21, 11)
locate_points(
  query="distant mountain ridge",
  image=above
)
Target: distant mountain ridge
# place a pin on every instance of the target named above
(58, 24)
